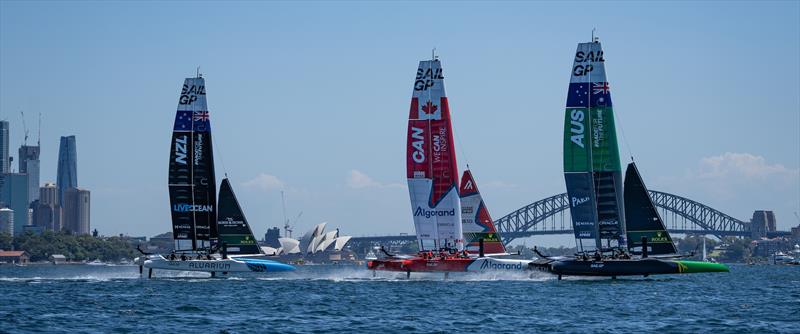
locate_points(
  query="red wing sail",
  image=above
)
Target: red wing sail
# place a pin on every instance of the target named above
(431, 162)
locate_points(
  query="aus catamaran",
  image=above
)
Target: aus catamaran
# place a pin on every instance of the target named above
(617, 229)
(205, 239)
(453, 227)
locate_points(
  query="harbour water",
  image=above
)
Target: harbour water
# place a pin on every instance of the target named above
(82, 298)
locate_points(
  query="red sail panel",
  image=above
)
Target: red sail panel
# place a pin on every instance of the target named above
(476, 222)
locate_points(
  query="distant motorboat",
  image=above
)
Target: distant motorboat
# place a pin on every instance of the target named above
(96, 262)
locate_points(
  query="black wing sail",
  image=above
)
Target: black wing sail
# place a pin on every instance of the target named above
(642, 218)
(234, 231)
(192, 185)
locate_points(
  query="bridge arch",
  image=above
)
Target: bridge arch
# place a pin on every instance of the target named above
(680, 214)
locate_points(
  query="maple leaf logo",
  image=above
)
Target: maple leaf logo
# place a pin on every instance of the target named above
(429, 108)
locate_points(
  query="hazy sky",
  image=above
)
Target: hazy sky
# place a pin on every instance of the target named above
(312, 98)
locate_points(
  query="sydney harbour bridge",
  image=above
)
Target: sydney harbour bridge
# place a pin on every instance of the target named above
(550, 216)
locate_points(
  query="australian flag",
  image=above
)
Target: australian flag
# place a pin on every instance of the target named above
(187, 120)
(589, 95)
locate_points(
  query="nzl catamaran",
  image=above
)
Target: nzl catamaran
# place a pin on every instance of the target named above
(618, 230)
(206, 239)
(454, 230)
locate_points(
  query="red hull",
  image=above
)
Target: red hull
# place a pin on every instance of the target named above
(420, 264)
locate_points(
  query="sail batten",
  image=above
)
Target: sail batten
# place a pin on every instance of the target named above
(431, 162)
(191, 181)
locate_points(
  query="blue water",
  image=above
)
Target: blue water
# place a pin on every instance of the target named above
(322, 299)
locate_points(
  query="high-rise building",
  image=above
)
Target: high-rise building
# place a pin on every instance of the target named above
(7, 221)
(5, 164)
(48, 211)
(77, 210)
(14, 195)
(67, 166)
(29, 164)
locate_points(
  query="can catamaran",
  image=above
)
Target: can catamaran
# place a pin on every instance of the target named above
(433, 188)
(201, 241)
(607, 213)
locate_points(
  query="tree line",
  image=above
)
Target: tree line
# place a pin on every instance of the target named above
(74, 247)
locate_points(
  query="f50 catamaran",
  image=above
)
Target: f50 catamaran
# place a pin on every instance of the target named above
(202, 241)
(605, 211)
(445, 222)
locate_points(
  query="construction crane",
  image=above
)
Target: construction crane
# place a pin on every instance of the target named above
(24, 127)
(287, 224)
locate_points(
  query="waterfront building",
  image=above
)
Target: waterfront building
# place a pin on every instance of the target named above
(5, 162)
(57, 259)
(7, 221)
(19, 257)
(77, 211)
(14, 195)
(29, 164)
(67, 166)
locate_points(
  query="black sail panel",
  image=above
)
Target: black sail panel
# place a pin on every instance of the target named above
(642, 218)
(192, 185)
(233, 228)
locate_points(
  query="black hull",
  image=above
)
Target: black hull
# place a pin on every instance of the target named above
(632, 267)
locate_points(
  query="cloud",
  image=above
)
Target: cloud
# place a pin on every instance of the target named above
(737, 184)
(264, 182)
(359, 180)
(741, 165)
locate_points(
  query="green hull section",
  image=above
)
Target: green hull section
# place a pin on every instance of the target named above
(691, 267)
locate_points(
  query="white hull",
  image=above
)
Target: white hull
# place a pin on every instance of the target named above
(243, 264)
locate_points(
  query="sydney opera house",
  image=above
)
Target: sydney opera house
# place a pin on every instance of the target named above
(316, 246)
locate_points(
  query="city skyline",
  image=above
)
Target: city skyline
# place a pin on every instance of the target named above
(703, 119)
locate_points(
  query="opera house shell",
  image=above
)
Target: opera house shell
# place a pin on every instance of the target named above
(313, 242)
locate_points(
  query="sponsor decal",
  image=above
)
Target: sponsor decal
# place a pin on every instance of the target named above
(659, 237)
(465, 210)
(608, 223)
(597, 265)
(578, 201)
(426, 78)
(598, 128)
(468, 185)
(209, 265)
(439, 144)
(487, 264)
(581, 58)
(228, 221)
(198, 148)
(183, 226)
(189, 93)
(419, 153)
(183, 207)
(576, 127)
(433, 213)
(180, 149)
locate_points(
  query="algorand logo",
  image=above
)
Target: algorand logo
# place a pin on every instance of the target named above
(433, 213)
(578, 201)
(501, 266)
(183, 207)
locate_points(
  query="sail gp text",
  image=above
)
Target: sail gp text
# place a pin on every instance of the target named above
(189, 93)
